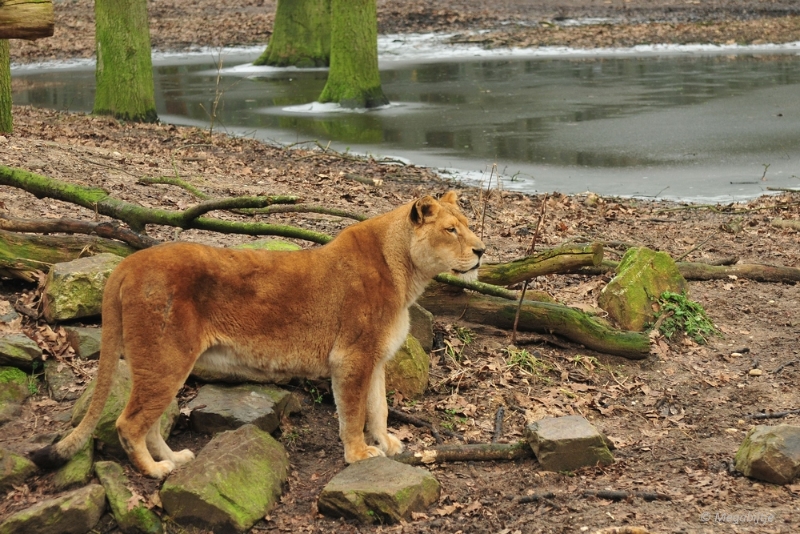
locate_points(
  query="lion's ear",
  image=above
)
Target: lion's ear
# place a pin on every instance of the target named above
(450, 198)
(423, 208)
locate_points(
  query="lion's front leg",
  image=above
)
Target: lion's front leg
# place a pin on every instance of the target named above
(378, 413)
(350, 384)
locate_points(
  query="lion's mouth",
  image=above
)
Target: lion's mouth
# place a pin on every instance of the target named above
(473, 268)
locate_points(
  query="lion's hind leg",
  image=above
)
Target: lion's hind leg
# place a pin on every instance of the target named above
(161, 451)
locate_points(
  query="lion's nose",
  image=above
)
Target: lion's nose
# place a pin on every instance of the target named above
(478, 252)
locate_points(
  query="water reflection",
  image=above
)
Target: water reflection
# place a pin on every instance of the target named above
(603, 113)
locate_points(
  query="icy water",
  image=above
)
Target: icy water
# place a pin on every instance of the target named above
(692, 126)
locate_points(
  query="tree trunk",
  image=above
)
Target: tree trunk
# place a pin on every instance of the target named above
(6, 122)
(26, 19)
(301, 35)
(124, 70)
(562, 260)
(539, 317)
(354, 80)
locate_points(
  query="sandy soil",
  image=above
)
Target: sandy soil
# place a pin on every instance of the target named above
(677, 417)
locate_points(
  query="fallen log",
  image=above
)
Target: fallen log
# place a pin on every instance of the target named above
(786, 223)
(704, 271)
(21, 255)
(473, 452)
(563, 260)
(540, 317)
(107, 229)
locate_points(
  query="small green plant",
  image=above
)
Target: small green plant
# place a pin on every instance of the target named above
(454, 350)
(464, 334)
(529, 363)
(679, 314)
(33, 379)
(316, 394)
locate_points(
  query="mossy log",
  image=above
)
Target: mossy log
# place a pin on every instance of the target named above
(137, 217)
(543, 317)
(703, 271)
(26, 19)
(107, 229)
(568, 259)
(21, 255)
(786, 223)
(477, 452)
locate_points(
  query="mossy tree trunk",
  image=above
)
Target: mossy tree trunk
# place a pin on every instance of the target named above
(6, 123)
(301, 35)
(124, 71)
(354, 80)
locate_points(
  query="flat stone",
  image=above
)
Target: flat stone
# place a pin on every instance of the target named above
(217, 408)
(76, 512)
(60, 381)
(106, 430)
(130, 519)
(234, 481)
(379, 490)
(409, 371)
(74, 289)
(567, 443)
(13, 392)
(85, 341)
(14, 469)
(642, 276)
(770, 453)
(421, 326)
(20, 351)
(78, 470)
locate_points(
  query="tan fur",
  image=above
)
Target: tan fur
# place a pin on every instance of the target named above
(340, 310)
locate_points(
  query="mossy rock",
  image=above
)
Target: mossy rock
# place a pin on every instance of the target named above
(642, 276)
(408, 372)
(78, 470)
(14, 469)
(75, 289)
(133, 518)
(18, 350)
(13, 392)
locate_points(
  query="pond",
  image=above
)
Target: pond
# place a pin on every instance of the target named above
(680, 124)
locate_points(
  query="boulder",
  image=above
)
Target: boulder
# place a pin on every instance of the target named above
(642, 276)
(106, 431)
(770, 453)
(76, 512)
(78, 470)
(60, 381)
(408, 372)
(132, 516)
(18, 350)
(85, 341)
(421, 326)
(14, 469)
(217, 408)
(75, 289)
(13, 392)
(567, 443)
(268, 244)
(379, 490)
(234, 481)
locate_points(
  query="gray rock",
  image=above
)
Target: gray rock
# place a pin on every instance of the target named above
(74, 513)
(234, 481)
(85, 341)
(14, 469)
(60, 381)
(106, 431)
(7, 312)
(130, 519)
(18, 350)
(770, 453)
(13, 392)
(567, 443)
(408, 372)
(379, 490)
(78, 470)
(217, 408)
(642, 276)
(421, 326)
(268, 244)
(75, 289)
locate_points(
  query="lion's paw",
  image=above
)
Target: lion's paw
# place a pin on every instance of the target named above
(391, 445)
(367, 452)
(161, 469)
(182, 457)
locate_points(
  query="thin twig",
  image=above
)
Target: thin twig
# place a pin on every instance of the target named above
(787, 364)
(530, 251)
(498, 424)
(619, 495)
(772, 415)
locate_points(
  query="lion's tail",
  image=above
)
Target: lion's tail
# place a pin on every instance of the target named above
(111, 350)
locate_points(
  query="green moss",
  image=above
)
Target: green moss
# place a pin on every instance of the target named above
(683, 315)
(12, 374)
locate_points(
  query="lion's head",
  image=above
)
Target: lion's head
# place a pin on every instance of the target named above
(442, 240)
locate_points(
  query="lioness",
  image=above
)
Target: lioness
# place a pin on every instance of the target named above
(340, 310)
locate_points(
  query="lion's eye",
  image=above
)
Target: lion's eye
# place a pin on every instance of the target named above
(453, 230)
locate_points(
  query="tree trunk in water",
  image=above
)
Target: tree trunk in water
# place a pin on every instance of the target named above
(301, 35)
(124, 70)
(6, 123)
(353, 79)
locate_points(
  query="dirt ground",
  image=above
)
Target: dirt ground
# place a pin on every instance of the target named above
(676, 418)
